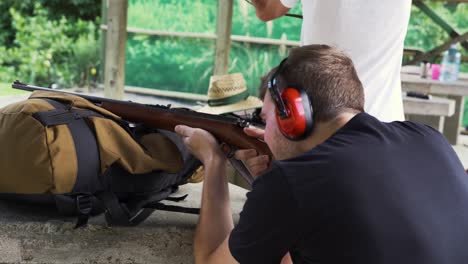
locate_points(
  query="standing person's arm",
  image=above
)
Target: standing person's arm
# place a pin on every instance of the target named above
(215, 222)
(267, 10)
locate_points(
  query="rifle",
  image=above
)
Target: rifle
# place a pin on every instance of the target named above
(226, 129)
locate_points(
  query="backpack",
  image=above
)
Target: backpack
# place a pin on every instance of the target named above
(61, 149)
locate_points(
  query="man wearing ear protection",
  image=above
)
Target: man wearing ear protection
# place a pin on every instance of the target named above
(371, 32)
(344, 187)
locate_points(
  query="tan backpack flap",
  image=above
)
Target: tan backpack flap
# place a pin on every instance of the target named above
(37, 159)
(157, 152)
(116, 145)
(34, 159)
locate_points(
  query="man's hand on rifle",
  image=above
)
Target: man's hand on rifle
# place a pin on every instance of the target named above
(256, 164)
(200, 143)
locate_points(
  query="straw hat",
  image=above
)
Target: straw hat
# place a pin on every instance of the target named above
(228, 93)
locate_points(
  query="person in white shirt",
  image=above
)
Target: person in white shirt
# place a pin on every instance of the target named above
(370, 32)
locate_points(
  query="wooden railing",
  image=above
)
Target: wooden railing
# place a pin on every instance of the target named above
(245, 39)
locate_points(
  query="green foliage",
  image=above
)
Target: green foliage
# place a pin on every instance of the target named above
(186, 64)
(254, 61)
(85, 55)
(425, 34)
(48, 51)
(164, 64)
(184, 16)
(422, 32)
(73, 10)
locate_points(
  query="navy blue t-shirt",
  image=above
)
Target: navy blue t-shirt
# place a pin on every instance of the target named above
(372, 193)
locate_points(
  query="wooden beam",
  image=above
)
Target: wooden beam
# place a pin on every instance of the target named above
(223, 41)
(210, 36)
(439, 21)
(436, 51)
(116, 39)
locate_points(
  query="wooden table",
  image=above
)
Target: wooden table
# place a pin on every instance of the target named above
(452, 90)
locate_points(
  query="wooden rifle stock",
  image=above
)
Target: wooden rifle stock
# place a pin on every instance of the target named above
(226, 129)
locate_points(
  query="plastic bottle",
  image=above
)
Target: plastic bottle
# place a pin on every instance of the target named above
(450, 65)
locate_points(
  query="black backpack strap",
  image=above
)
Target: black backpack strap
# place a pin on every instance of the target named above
(117, 213)
(78, 205)
(86, 146)
(173, 208)
(79, 202)
(121, 214)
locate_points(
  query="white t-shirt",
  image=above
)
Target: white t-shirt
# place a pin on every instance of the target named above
(372, 32)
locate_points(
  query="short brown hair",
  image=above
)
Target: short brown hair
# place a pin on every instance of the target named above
(328, 77)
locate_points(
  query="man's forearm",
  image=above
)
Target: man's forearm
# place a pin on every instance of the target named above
(215, 221)
(267, 10)
(261, 4)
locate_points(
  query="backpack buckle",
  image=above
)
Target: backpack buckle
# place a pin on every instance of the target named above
(84, 205)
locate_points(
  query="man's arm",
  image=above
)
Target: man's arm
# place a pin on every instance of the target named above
(267, 10)
(215, 222)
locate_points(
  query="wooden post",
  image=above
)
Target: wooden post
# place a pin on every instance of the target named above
(223, 40)
(102, 49)
(116, 38)
(453, 123)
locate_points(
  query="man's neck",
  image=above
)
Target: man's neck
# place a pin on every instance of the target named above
(324, 130)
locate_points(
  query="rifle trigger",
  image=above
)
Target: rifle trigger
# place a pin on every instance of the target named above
(243, 123)
(228, 150)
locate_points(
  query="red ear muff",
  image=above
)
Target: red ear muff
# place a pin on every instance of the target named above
(298, 123)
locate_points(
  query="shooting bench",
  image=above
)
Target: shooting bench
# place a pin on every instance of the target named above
(431, 111)
(442, 119)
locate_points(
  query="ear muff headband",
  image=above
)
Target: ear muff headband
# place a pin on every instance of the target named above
(293, 109)
(275, 93)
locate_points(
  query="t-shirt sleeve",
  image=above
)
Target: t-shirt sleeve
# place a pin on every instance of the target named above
(267, 226)
(289, 3)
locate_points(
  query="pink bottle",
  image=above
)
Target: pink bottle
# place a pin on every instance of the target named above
(435, 68)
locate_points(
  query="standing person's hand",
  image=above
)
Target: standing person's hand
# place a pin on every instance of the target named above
(200, 143)
(256, 164)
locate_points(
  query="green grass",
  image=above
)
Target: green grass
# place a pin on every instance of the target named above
(6, 90)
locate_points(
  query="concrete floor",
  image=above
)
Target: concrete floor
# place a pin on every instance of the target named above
(39, 235)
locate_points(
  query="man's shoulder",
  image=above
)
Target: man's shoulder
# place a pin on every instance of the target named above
(363, 126)
(414, 129)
